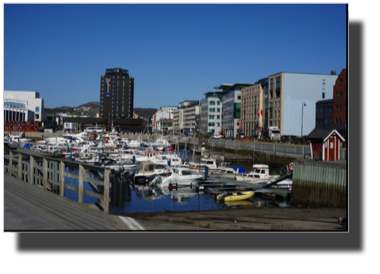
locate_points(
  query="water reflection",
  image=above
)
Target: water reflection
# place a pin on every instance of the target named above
(125, 196)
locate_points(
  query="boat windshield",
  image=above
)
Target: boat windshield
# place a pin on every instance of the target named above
(186, 172)
(255, 170)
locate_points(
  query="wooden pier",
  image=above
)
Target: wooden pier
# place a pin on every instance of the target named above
(49, 173)
(319, 184)
(246, 185)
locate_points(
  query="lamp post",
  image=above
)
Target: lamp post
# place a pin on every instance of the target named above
(303, 104)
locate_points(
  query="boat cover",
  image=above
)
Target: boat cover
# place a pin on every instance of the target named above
(238, 168)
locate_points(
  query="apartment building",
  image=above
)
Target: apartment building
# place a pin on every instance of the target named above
(286, 100)
(231, 113)
(186, 117)
(340, 99)
(211, 112)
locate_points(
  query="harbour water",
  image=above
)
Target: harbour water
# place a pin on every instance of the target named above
(127, 197)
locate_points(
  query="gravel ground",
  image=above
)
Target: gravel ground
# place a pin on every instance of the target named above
(244, 218)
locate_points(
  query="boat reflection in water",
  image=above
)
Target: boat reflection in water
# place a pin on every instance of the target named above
(125, 196)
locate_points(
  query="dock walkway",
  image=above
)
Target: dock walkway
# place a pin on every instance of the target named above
(30, 208)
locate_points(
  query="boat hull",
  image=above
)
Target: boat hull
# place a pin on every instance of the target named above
(239, 196)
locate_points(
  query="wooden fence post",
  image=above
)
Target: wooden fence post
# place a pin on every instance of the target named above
(80, 184)
(31, 170)
(19, 168)
(106, 190)
(62, 179)
(10, 167)
(45, 173)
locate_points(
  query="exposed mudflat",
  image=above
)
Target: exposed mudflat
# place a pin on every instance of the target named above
(244, 218)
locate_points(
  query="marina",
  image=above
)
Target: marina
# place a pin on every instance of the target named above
(125, 195)
(127, 179)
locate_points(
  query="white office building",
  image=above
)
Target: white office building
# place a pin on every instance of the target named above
(23, 106)
(186, 117)
(163, 113)
(211, 112)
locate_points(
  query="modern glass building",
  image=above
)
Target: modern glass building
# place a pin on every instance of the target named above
(116, 94)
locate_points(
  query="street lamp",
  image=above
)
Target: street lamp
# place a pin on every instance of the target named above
(303, 104)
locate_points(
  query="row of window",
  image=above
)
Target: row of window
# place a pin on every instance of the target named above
(212, 124)
(14, 105)
(324, 121)
(213, 110)
(213, 103)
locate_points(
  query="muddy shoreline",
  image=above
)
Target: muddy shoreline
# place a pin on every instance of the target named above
(246, 218)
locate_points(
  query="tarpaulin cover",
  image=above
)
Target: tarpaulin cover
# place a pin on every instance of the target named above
(28, 145)
(238, 168)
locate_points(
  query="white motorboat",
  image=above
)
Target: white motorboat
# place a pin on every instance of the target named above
(180, 176)
(40, 147)
(227, 172)
(56, 141)
(134, 143)
(88, 157)
(258, 174)
(20, 139)
(147, 172)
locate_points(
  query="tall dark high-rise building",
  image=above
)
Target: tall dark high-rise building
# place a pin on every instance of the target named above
(116, 94)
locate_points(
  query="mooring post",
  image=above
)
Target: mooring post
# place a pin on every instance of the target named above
(62, 179)
(19, 169)
(31, 170)
(45, 173)
(106, 196)
(80, 184)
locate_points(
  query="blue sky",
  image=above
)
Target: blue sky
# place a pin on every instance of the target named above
(174, 52)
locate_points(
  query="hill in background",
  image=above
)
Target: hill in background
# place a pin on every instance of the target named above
(142, 112)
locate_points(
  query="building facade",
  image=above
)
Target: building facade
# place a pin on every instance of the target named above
(285, 100)
(116, 94)
(163, 113)
(185, 118)
(211, 112)
(231, 114)
(23, 106)
(340, 99)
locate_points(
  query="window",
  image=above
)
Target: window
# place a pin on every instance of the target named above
(323, 95)
(218, 109)
(37, 116)
(340, 81)
(37, 109)
(218, 117)
(212, 102)
(323, 85)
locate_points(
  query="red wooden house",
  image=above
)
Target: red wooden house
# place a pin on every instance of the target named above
(325, 144)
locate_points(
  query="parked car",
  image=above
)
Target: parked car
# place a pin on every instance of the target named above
(241, 135)
(216, 136)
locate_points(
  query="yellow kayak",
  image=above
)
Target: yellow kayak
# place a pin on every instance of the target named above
(238, 196)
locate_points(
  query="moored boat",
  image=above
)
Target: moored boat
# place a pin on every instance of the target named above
(258, 174)
(237, 196)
